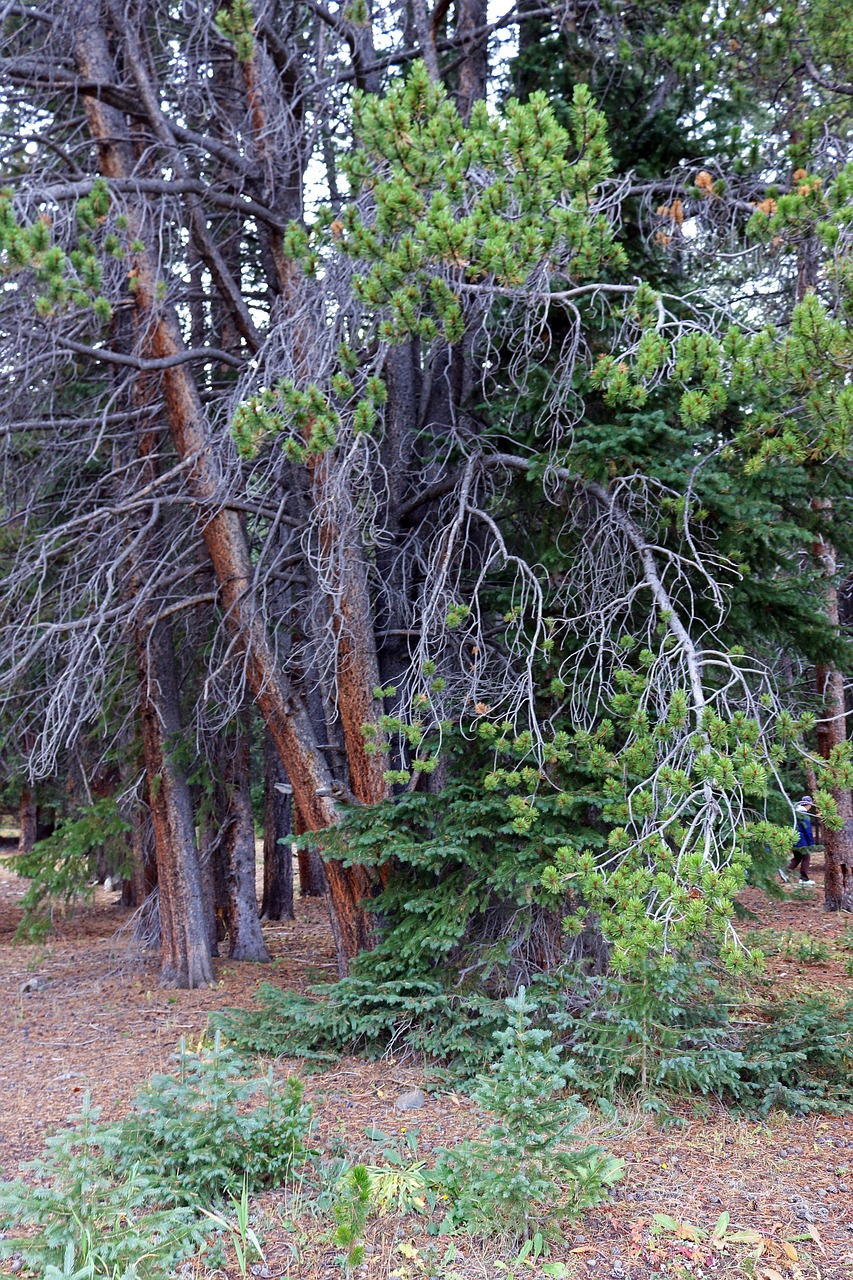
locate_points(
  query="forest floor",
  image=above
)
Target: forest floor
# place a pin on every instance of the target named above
(80, 1015)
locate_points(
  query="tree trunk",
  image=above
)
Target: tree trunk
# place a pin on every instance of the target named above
(277, 903)
(184, 937)
(244, 927)
(312, 875)
(832, 727)
(831, 733)
(27, 819)
(143, 872)
(283, 710)
(471, 17)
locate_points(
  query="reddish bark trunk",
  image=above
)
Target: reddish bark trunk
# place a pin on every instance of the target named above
(283, 711)
(357, 667)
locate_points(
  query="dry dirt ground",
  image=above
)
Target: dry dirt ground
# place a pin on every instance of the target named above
(79, 1016)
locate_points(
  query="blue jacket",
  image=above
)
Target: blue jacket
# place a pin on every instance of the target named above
(804, 830)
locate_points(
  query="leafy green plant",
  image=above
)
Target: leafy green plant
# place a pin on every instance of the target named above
(83, 1215)
(805, 948)
(359, 1014)
(242, 1234)
(801, 1060)
(662, 1028)
(813, 951)
(399, 1184)
(526, 1171)
(666, 1031)
(351, 1207)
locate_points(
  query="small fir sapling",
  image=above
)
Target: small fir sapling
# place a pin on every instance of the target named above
(526, 1172)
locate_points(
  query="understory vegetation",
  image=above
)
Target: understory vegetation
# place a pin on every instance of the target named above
(659, 1035)
(134, 1197)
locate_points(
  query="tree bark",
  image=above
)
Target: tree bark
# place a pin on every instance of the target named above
(283, 710)
(312, 874)
(277, 903)
(471, 17)
(184, 937)
(27, 819)
(244, 927)
(143, 873)
(831, 733)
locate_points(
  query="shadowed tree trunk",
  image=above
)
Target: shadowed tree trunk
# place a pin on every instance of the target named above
(27, 819)
(277, 903)
(184, 937)
(244, 927)
(312, 875)
(143, 874)
(832, 733)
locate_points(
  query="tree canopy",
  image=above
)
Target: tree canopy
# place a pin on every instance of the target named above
(472, 419)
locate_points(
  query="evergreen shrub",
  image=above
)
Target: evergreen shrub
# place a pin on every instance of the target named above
(194, 1136)
(130, 1197)
(801, 1059)
(526, 1171)
(62, 865)
(660, 1028)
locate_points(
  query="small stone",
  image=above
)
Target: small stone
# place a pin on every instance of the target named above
(805, 1214)
(261, 1269)
(842, 1186)
(17, 1264)
(410, 1101)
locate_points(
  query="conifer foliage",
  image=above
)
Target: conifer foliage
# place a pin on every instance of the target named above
(482, 436)
(526, 1170)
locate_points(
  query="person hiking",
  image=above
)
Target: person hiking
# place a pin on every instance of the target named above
(801, 857)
